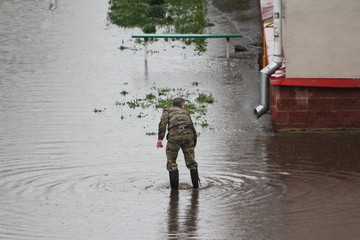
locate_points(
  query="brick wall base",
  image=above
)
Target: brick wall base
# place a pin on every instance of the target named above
(314, 108)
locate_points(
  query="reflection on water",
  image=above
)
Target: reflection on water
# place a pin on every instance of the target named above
(173, 219)
(68, 173)
(180, 226)
(322, 180)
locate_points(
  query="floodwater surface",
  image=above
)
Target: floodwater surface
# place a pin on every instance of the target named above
(67, 172)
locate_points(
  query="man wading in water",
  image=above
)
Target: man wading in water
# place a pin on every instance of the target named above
(182, 134)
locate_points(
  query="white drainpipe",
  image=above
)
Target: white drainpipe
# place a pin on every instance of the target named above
(266, 72)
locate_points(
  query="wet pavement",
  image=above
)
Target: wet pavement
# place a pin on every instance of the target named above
(69, 173)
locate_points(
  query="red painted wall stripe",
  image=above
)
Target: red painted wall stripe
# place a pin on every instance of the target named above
(317, 82)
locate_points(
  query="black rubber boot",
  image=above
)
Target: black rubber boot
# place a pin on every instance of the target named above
(174, 179)
(194, 178)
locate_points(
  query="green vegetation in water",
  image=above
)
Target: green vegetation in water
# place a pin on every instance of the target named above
(204, 98)
(195, 84)
(184, 17)
(163, 103)
(124, 93)
(141, 115)
(138, 102)
(163, 91)
(151, 133)
(150, 96)
(122, 48)
(149, 28)
(99, 110)
(120, 103)
(196, 103)
(204, 124)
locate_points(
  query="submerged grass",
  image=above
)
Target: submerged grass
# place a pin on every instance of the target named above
(96, 110)
(204, 98)
(124, 93)
(185, 17)
(196, 103)
(151, 133)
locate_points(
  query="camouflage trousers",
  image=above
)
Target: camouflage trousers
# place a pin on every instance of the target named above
(184, 139)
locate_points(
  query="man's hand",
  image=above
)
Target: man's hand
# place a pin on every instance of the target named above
(159, 144)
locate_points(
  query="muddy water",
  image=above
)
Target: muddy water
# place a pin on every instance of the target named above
(69, 173)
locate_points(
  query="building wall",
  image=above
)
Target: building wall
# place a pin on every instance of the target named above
(322, 38)
(314, 108)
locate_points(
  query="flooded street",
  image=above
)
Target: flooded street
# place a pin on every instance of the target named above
(67, 172)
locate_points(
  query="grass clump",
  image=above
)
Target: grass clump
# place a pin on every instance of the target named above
(141, 115)
(156, 2)
(160, 98)
(124, 93)
(185, 17)
(117, 103)
(164, 103)
(155, 11)
(204, 98)
(204, 124)
(151, 133)
(149, 28)
(98, 110)
(163, 91)
(150, 96)
(134, 103)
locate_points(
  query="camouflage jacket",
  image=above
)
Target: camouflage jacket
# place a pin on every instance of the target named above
(174, 117)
